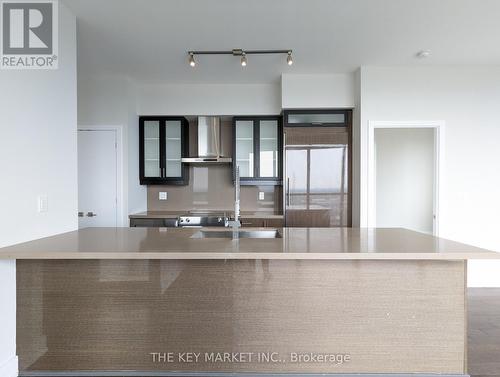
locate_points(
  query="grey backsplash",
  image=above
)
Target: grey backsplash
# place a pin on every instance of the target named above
(211, 188)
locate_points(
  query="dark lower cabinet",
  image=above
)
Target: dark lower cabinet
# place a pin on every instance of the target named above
(261, 222)
(172, 222)
(163, 142)
(153, 223)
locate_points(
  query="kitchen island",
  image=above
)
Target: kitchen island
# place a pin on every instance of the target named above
(137, 301)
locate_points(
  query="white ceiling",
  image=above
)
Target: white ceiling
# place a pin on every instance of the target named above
(149, 39)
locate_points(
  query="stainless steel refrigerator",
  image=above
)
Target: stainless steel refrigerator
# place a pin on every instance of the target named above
(317, 183)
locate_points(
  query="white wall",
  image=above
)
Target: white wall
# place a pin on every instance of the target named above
(37, 156)
(404, 159)
(38, 145)
(209, 99)
(467, 99)
(110, 101)
(320, 90)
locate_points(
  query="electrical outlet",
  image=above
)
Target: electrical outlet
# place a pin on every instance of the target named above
(162, 195)
(261, 195)
(43, 203)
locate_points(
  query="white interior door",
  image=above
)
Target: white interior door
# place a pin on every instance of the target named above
(405, 178)
(97, 178)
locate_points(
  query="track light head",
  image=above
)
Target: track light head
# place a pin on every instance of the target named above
(192, 62)
(243, 59)
(289, 59)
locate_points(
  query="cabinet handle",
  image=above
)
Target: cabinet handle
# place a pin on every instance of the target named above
(288, 192)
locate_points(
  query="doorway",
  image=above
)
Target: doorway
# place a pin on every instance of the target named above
(98, 177)
(404, 172)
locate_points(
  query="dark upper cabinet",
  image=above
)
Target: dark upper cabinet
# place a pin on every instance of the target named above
(257, 149)
(316, 118)
(163, 141)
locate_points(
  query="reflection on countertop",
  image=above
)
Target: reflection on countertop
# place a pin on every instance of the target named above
(296, 243)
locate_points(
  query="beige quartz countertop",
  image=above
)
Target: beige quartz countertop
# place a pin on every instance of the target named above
(174, 214)
(296, 243)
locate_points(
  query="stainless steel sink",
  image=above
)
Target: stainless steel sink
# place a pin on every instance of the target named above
(271, 233)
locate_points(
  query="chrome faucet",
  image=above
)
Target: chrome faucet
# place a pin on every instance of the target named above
(235, 223)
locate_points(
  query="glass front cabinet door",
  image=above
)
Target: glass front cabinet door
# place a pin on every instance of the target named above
(257, 149)
(163, 141)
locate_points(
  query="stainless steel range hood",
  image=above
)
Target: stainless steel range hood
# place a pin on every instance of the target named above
(209, 143)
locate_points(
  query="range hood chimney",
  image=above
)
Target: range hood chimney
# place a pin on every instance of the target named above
(209, 143)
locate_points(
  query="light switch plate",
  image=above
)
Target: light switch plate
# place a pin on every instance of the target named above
(43, 203)
(261, 195)
(162, 195)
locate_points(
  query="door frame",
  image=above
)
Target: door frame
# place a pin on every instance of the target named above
(439, 136)
(121, 215)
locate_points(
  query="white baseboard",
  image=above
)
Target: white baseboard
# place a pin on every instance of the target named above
(10, 368)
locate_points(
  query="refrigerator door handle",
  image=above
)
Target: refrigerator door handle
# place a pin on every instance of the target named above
(285, 174)
(288, 192)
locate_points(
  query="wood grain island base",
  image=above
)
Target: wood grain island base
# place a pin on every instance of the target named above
(266, 316)
(153, 302)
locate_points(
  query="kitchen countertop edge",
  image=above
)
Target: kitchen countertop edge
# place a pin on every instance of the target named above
(247, 256)
(294, 244)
